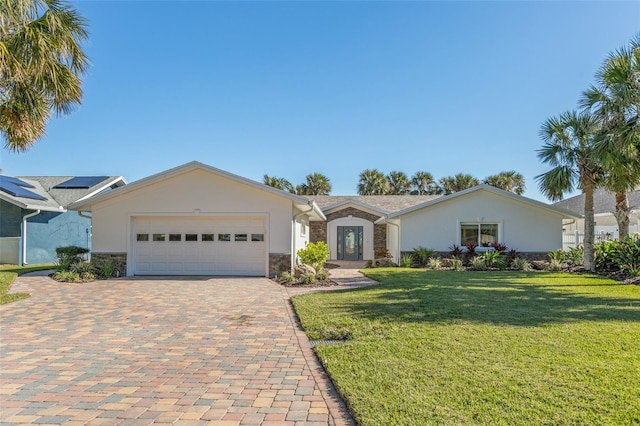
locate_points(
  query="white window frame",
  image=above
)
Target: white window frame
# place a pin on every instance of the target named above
(478, 223)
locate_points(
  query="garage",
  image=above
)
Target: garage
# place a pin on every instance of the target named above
(195, 245)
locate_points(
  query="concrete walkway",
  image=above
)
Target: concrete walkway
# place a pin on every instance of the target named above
(193, 350)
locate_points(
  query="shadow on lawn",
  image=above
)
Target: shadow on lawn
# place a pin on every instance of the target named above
(498, 298)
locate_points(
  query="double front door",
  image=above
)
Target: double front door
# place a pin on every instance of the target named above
(350, 242)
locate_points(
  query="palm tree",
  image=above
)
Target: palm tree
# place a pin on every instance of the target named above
(278, 183)
(459, 182)
(399, 183)
(41, 65)
(615, 102)
(423, 183)
(316, 184)
(569, 150)
(373, 182)
(511, 181)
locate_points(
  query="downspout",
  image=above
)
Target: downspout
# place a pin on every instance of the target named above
(86, 216)
(296, 216)
(24, 235)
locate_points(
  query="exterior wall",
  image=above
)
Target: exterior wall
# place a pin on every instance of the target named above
(195, 192)
(10, 219)
(10, 250)
(49, 230)
(367, 240)
(300, 237)
(522, 226)
(279, 263)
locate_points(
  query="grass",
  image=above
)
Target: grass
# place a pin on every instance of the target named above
(8, 274)
(499, 348)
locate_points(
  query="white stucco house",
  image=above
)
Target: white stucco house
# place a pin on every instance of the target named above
(198, 220)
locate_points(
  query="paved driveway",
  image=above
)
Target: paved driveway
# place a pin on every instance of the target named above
(180, 351)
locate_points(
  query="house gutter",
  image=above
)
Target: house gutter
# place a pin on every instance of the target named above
(83, 214)
(24, 235)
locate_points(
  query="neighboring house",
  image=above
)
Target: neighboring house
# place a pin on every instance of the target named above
(604, 207)
(34, 220)
(198, 220)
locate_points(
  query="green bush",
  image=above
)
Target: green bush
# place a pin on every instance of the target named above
(502, 263)
(81, 268)
(575, 256)
(308, 279)
(322, 275)
(406, 261)
(619, 255)
(69, 256)
(490, 257)
(107, 268)
(559, 255)
(421, 255)
(521, 264)
(315, 255)
(478, 263)
(288, 277)
(66, 276)
(456, 264)
(434, 263)
(555, 265)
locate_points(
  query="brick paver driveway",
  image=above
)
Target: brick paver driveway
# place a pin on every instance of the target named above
(181, 351)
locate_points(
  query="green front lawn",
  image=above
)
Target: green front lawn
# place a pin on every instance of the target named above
(511, 348)
(8, 273)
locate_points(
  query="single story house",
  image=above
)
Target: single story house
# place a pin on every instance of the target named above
(604, 207)
(198, 220)
(34, 219)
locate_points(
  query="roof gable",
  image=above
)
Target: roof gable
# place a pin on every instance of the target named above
(299, 201)
(488, 188)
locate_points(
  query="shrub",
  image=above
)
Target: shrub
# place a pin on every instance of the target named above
(471, 250)
(490, 257)
(456, 264)
(322, 275)
(68, 256)
(287, 277)
(406, 261)
(500, 248)
(73, 251)
(66, 276)
(559, 255)
(434, 263)
(369, 264)
(478, 263)
(315, 254)
(107, 268)
(575, 256)
(81, 268)
(383, 253)
(619, 255)
(455, 251)
(421, 255)
(555, 265)
(308, 279)
(502, 263)
(512, 255)
(521, 264)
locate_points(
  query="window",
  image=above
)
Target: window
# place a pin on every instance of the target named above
(175, 237)
(241, 237)
(207, 237)
(257, 237)
(303, 228)
(224, 237)
(481, 234)
(158, 237)
(191, 237)
(142, 237)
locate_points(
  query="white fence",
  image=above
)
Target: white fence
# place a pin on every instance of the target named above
(574, 239)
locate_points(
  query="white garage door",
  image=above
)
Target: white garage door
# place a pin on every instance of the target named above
(199, 245)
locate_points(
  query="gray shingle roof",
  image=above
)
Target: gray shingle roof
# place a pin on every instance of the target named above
(603, 202)
(384, 203)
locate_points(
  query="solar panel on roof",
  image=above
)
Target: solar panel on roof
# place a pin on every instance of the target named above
(80, 182)
(15, 187)
(15, 181)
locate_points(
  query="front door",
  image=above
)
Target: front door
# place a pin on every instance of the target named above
(350, 242)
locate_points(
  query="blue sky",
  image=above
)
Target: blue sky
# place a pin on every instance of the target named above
(289, 88)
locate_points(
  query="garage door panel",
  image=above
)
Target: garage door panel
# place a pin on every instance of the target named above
(197, 248)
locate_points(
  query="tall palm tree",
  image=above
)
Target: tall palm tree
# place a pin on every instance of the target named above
(373, 182)
(459, 182)
(423, 183)
(316, 184)
(511, 181)
(41, 65)
(278, 183)
(569, 150)
(399, 183)
(615, 102)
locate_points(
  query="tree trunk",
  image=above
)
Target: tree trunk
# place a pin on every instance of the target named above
(622, 214)
(589, 223)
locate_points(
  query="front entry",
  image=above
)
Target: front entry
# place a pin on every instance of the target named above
(349, 242)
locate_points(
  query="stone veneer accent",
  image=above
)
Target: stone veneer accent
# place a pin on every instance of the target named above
(318, 230)
(120, 260)
(279, 263)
